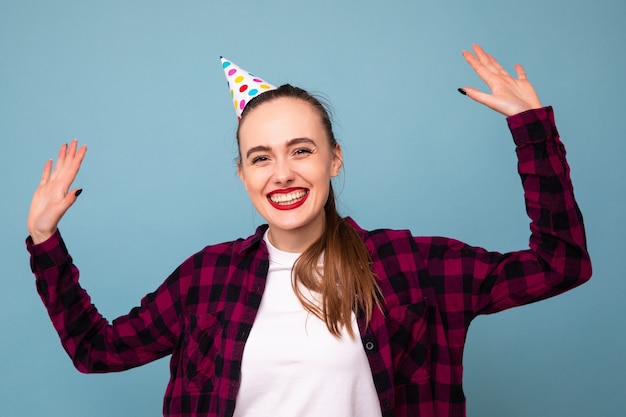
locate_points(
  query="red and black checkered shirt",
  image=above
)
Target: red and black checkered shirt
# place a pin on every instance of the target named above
(432, 286)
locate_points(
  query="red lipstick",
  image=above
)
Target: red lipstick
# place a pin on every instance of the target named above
(298, 199)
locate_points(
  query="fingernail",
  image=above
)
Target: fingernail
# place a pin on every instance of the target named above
(77, 193)
(462, 91)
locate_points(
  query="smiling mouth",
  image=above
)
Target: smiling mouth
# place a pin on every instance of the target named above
(288, 200)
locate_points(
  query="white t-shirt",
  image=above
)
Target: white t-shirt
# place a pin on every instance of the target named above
(293, 366)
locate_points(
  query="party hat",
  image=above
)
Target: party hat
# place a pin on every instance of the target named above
(244, 86)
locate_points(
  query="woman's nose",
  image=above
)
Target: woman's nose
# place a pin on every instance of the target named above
(283, 172)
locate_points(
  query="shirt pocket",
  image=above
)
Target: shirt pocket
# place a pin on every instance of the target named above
(409, 343)
(203, 336)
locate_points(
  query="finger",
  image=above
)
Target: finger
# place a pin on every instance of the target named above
(45, 175)
(521, 72)
(71, 150)
(496, 65)
(471, 60)
(72, 196)
(68, 201)
(477, 95)
(482, 98)
(67, 171)
(77, 159)
(66, 155)
(60, 158)
(479, 51)
(482, 56)
(484, 72)
(488, 60)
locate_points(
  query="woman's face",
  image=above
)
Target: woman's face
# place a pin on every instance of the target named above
(286, 165)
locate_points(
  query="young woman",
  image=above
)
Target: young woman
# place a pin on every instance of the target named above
(312, 315)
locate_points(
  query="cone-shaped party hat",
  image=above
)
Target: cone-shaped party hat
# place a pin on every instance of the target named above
(244, 86)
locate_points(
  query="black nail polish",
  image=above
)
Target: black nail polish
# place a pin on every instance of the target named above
(77, 193)
(462, 91)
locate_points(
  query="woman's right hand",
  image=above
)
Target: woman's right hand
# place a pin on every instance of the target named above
(53, 196)
(509, 95)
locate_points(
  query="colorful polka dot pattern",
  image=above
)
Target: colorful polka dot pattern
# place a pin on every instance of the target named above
(244, 85)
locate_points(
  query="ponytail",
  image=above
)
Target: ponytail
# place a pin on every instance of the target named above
(345, 279)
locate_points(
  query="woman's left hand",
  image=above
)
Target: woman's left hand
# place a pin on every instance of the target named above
(509, 95)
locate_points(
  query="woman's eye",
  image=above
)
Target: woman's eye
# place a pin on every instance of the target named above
(302, 151)
(258, 159)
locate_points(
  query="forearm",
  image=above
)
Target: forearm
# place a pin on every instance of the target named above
(557, 259)
(93, 344)
(557, 228)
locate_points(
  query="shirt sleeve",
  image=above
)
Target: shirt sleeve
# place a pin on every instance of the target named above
(147, 333)
(472, 281)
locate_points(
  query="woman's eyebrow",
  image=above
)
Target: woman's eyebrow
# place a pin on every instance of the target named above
(298, 141)
(290, 142)
(260, 148)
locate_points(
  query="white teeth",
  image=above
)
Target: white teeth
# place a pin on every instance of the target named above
(289, 198)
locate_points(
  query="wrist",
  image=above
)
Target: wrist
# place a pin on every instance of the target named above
(40, 237)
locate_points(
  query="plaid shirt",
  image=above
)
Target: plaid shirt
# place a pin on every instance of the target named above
(432, 286)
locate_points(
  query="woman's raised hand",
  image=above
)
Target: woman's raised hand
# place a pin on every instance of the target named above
(509, 95)
(53, 196)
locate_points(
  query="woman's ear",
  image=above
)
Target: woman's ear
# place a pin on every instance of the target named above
(241, 175)
(337, 161)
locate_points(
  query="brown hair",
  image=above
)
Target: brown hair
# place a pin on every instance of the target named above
(346, 281)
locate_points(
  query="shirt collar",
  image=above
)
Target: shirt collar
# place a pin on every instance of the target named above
(363, 234)
(253, 241)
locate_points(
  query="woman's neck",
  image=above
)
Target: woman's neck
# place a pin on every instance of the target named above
(296, 240)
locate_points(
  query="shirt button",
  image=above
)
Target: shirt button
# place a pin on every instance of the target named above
(370, 345)
(386, 404)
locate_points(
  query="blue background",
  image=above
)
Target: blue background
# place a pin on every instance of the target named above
(140, 83)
